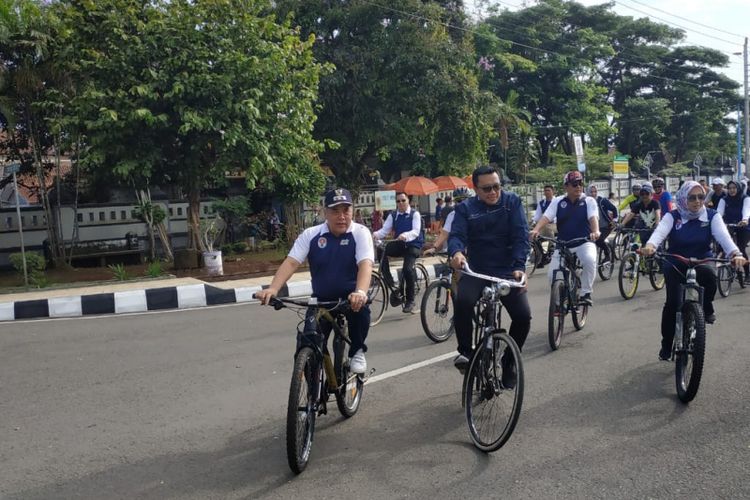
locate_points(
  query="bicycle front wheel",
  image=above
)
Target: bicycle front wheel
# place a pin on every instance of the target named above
(351, 385)
(436, 311)
(655, 274)
(421, 283)
(724, 280)
(533, 259)
(628, 276)
(689, 360)
(558, 308)
(301, 410)
(493, 391)
(604, 267)
(378, 297)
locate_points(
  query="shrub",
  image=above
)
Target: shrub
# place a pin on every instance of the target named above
(35, 266)
(119, 272)
(154, 269)
(226, 250)
(239, 247)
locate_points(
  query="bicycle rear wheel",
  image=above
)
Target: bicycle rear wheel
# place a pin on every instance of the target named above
(558, 308)
(724, 280)
(689, 360)
(581, 311)
(436, 311)
(351, 385)
(493, 391)
(741, 277)
(604, 267)
(628, 276)
(621, 244)
(301, 410)
(378, 297)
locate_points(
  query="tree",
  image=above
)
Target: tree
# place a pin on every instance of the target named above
(182, 91)
(405, 88)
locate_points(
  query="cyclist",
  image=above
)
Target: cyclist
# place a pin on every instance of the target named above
(734, 208)
(491, 227)
(340, 254)
(607, 218)
(635, 190)
(577, 217)
(689, 229)
(550, 230)
(646, 212)
(662, 195)
(717, 184)
(406, 224)
(459, 195)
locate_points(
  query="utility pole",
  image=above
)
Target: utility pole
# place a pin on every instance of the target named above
(747, 115)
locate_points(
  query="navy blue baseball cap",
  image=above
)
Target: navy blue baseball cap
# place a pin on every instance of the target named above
(338, 197)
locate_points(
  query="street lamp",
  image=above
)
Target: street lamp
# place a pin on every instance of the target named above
(747, 114)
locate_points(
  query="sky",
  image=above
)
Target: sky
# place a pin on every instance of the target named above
(730, 16)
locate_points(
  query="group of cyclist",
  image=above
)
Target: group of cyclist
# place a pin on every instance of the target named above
(490, 233)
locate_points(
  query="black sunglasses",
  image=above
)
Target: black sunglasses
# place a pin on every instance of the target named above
(696, 197)
(489, 189)
(402, 201)
(575, 184)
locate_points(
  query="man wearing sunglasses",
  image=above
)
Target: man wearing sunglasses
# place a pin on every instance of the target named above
(577, 217)
(406, 224)
(490, 228)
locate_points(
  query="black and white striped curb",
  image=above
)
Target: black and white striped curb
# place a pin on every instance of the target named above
(154, 299)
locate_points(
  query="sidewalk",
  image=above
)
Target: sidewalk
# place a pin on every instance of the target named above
(152, 295)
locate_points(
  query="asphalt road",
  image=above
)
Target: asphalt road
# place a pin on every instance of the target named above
(192, 405)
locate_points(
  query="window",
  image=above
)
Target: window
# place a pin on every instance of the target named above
(133, 215)
(91, 216)
(35, 220)
(79, 218)
(123, 215)
(102, 217)
(179, 210)
(205, 209)
(171, 212)
(23, 221)
(9, 222)
(112, 215)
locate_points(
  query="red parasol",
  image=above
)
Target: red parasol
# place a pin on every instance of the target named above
(449, 182)
(415, 185)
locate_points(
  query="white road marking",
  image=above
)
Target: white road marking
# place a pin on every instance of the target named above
(409, 368)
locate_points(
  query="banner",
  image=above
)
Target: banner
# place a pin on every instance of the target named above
(385, 200)
(620, 167)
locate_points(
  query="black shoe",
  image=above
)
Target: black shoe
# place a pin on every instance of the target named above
(711, 319)
(586, 300)
(461, 363)
(665, 354)
(409, 308)
(396, 299)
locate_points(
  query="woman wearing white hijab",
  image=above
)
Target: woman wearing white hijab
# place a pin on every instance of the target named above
(689, 229)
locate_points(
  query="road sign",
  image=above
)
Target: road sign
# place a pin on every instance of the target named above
(13, 168)
(581, 167)
(698, 161)
(620, 166)
(579, 148)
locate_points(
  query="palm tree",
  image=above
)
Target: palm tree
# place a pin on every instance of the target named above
(511, 118)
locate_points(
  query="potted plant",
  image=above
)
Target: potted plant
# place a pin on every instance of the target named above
(210, 231)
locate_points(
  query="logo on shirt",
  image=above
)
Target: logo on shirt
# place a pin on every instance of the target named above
(344, 242)
(563, 204)
(322, 242)
(678, 225)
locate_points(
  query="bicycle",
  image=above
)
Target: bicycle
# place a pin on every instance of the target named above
(689, 345)
(436, 309)
(726, 273)
(488, 383)
(383, 292)
(631, 268)
(605, 267)
(316, 376)
(565, 292)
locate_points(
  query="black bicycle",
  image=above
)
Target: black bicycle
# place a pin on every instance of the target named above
(689, 345)
(492, 393)
(726, 274)
(605, 266)
(316, 376)
(539, 255)
(383, 292)
(565, 292)
(436, 309)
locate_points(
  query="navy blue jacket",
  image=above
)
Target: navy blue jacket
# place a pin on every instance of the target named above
(494, 237)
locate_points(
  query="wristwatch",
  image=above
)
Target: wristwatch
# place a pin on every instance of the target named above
(361, 292)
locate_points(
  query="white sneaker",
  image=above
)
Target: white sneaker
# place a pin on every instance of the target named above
(358, 363)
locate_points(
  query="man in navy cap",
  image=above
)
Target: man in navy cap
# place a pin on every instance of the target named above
(340, 254)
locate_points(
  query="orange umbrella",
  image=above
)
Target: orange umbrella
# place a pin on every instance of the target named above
(449, 182)
(415, 185)
(469, 182)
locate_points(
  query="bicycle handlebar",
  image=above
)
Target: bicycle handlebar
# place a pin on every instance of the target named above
(500, 281)
(567, 243)
(690, 261)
